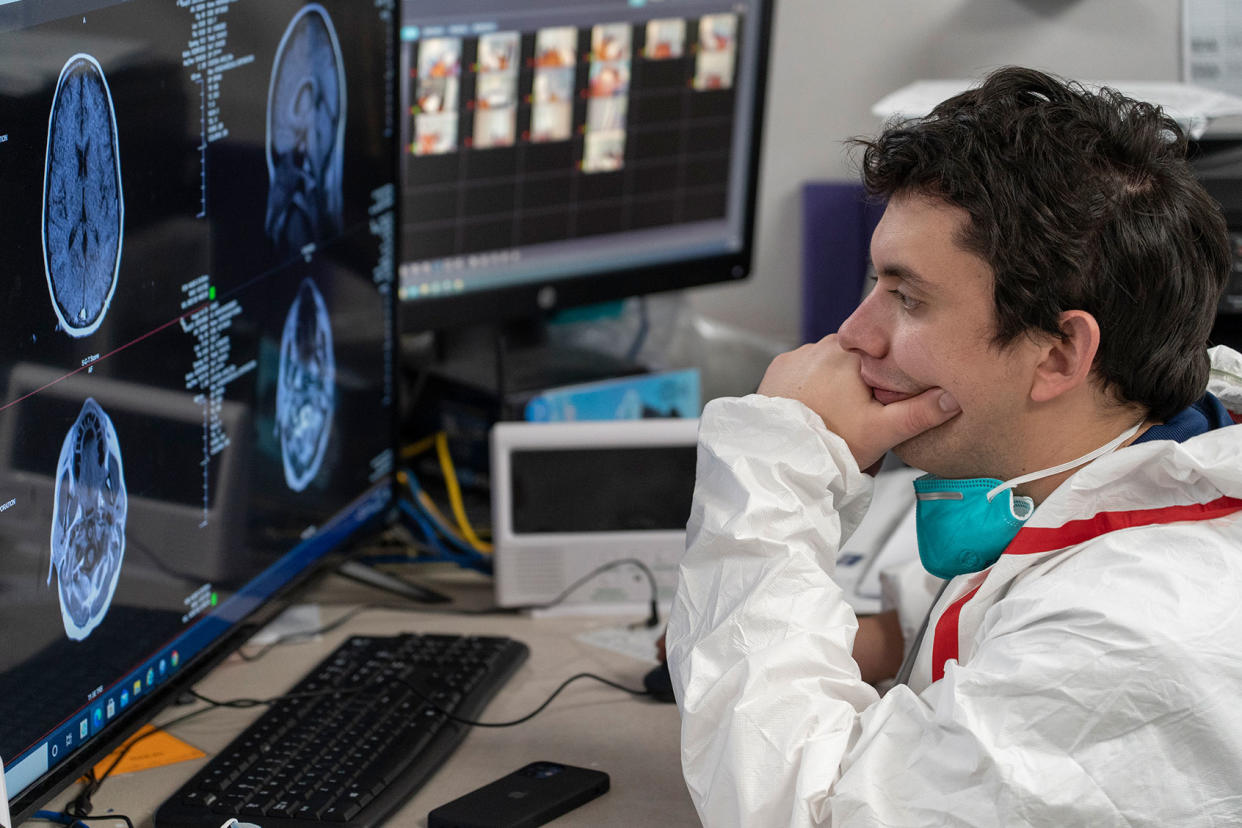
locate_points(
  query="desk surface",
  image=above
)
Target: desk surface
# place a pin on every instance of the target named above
(635, 740)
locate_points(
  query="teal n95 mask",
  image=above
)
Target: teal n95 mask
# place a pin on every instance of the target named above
(964, 525)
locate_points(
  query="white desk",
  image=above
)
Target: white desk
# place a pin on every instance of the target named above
(634, 740)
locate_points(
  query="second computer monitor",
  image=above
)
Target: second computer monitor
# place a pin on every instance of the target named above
(570, 151)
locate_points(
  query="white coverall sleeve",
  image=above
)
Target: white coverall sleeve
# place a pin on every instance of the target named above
(760, 638)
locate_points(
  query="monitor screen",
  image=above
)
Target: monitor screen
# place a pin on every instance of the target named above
(196, 393)
(1218, 164)
(558, 152)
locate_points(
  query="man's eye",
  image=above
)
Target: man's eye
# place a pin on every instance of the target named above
(906, 301)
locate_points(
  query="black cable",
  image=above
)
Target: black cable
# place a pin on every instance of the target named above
(652, 620)
(303, 635)
(63, 818)
(288, 638)
(300, 635)
(121, 817)
(156, 561)
(533, 713)
(80, 806)
(244, 703)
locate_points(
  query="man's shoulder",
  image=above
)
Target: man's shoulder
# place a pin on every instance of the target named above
(1159, 481)
(1167, 573)
(1225, 379)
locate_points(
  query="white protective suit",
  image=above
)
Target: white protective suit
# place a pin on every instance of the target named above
(1091, 677)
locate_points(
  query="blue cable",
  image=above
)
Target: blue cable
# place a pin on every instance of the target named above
(463, 556)
(60, 818)
(445, 531)
(428, 524)
(424, 528)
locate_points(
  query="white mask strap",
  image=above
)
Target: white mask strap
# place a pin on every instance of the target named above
(1072, 464)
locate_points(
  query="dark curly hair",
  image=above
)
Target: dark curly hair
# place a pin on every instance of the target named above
(1081, 200)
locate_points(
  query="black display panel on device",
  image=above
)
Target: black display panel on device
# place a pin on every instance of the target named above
(196, 345)
(560, 152)
(631, 489)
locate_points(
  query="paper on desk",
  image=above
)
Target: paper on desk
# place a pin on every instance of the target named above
(1193, 107)
(5, 820)
(639, 642)
(155, 750)
(299, 618)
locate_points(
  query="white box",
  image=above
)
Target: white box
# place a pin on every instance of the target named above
(568, 497)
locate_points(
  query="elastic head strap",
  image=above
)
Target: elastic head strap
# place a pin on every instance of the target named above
(1072, 464)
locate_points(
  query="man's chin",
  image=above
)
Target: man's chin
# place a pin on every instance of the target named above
(930, 452)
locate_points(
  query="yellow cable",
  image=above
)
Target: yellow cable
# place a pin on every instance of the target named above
(432, 509)
(454, 493)
(415, 449)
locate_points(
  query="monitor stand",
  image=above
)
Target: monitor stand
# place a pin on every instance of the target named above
(462, 382)
(372, 577)
(506, 364)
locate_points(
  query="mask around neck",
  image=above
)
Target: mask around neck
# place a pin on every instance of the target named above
(964, 525)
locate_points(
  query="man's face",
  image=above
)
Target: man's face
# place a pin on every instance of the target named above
(930, 322)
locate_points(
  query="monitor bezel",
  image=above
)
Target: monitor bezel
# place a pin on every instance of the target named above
(57, 779)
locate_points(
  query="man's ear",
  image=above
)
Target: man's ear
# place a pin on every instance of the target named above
(1066, 362)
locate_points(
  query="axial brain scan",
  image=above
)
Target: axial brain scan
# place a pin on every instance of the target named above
(83, 210)
(305, 133)
(88, 521)
(306, 390)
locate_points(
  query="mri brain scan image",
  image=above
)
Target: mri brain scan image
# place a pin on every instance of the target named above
(305, 133)
(88, 521)
(83, 208)
(306, 389)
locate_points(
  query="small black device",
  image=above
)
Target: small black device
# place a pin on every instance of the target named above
(659, 683)
(530, 796)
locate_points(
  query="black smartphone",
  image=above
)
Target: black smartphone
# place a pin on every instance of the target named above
(530, 796)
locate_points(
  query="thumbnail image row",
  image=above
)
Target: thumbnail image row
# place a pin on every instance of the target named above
(437, 105)
(558, 46)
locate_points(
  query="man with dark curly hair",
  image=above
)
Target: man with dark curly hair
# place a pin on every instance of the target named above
(1047, 273)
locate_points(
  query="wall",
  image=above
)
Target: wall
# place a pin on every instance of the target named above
(832, 59)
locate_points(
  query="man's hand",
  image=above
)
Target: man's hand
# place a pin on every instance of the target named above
(827, 379)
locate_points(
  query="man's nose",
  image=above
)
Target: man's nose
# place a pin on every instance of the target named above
(864, 332)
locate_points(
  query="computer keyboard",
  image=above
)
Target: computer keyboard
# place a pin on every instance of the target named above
(354, 739)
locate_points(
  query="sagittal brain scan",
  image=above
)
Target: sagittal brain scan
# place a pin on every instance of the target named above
(305, 133)
(306, 391)
(83, 208)
(88, 521)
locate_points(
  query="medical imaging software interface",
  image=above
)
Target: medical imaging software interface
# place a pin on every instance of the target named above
(560, 137)
(196, 363)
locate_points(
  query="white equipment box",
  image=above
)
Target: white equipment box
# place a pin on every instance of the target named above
(568, 497)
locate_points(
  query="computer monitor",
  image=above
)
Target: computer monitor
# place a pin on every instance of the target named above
(1217, 160)
(563, 152)
(196, 345)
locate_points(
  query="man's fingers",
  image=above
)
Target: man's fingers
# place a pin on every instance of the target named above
(910, 418)
(827, 379)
